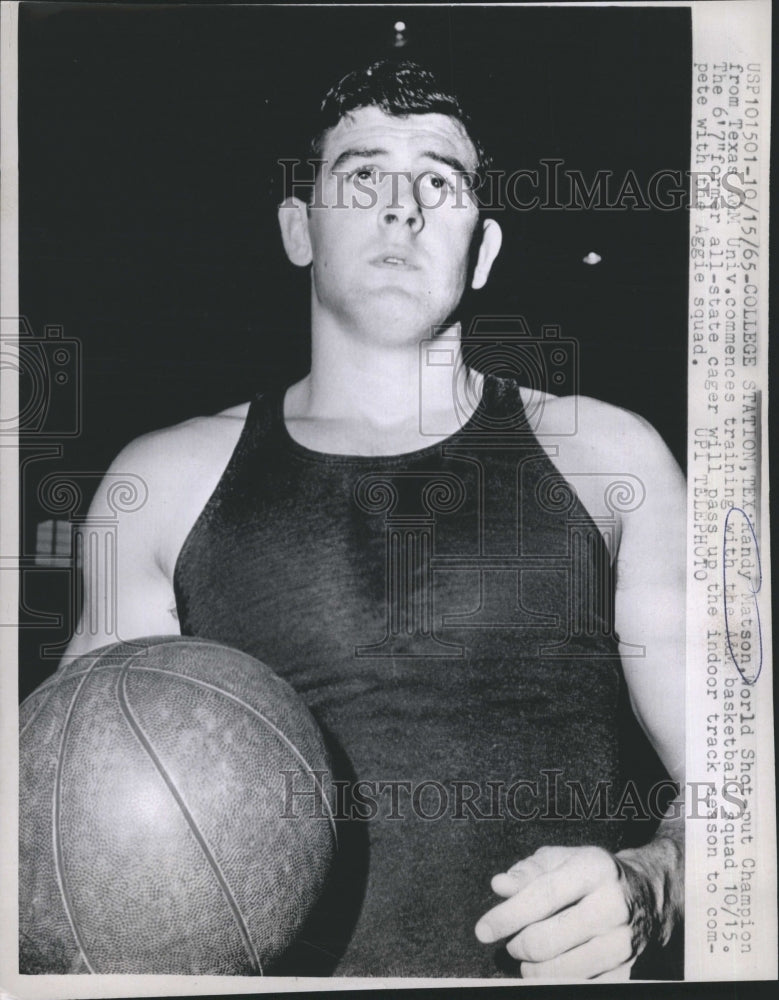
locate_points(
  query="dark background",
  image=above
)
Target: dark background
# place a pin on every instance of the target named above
(148, 142)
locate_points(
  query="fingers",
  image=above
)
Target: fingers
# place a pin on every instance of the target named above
(523, 872)
(619, 975)
(601, 956)
(600, 912)
(515, 879)
(567, 878)
(568, 914)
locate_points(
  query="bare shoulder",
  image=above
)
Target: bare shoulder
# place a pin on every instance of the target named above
(183, 451)
(616, 462)
(174, 471)
(629, 439)
(146, 505)
(592, 435)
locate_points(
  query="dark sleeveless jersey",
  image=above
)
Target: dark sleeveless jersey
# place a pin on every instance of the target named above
(447, 616)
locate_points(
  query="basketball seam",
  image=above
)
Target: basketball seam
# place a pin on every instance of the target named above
(254, 711)
(38, 708)
(190, 819)
(193, 680)
(56, 810)
(49, 686)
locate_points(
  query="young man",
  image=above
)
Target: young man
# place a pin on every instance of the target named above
(427, 555)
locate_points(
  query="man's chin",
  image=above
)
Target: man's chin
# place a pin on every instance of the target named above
(410, 316)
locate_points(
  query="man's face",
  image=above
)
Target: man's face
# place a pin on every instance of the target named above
(392, 221)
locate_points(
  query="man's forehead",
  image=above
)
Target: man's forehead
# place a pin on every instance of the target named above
(370, 127)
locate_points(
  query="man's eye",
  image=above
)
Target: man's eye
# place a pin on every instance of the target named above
(364, 173)
(436, 181)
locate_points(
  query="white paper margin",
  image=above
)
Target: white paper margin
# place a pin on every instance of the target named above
(730, 897)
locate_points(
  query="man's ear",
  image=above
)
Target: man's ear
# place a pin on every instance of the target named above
(491, 239)
(293, 222)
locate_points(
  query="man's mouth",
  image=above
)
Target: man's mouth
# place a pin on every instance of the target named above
(394, 260)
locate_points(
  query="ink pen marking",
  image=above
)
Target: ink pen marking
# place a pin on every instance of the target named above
(749, 557)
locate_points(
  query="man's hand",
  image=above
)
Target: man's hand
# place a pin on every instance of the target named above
(582, 913)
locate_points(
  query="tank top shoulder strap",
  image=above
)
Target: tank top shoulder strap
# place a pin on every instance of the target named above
(503, 397)
(263, 420)
(501, 412)
(260, 432)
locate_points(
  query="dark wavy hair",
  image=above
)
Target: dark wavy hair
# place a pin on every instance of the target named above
(398, 88)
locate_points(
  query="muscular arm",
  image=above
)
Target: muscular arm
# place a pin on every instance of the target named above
(650, 612)
(177, 470)
(129, 595)
(581, 912)
(650, 602)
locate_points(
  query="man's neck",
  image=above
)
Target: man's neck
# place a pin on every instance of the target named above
(386, 387)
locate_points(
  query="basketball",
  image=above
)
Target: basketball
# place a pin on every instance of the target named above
(156, 830)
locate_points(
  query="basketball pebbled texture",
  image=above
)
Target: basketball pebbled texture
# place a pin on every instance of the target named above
(152, 833)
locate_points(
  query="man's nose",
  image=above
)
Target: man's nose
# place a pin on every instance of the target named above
(400, 206)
